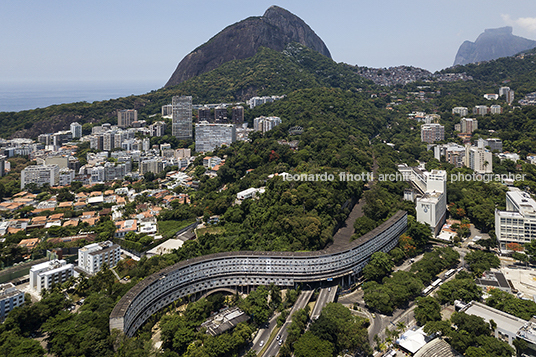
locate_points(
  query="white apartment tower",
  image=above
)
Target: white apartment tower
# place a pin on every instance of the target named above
(495, 109)
(126, 117)
(503, 91)
(431, 203)
(468, 125)
(92, 257)
(182, 117)
(265, 124)
(145, 144)
(481, 110)
(479, 159)
(76, 130)
(152, 165)
(167, 110)
(432, 206)
(462, 111)
(432, 132)
(510, 97)
(158, 128)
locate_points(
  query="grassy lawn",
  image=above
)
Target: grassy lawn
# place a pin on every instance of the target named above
(212, 230)
(169, 228)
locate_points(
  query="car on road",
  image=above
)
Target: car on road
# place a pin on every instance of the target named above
(329, 289)
(261, 344)
(280, 342)
(278, 337)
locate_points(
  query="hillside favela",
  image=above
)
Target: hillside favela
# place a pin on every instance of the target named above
(269, 201)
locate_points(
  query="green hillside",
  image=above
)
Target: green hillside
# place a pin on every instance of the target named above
(518, 73)
(267, 73)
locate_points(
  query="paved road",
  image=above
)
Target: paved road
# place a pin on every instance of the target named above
(326, 296)
(273, 347)
(264, 333)
(378, 322)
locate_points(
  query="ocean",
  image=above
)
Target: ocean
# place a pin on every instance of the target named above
(19, 96)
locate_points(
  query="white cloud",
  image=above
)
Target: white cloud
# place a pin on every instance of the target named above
(526, 23)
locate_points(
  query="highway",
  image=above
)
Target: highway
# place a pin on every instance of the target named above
(273, 347)
(326, 295)
(264, 333)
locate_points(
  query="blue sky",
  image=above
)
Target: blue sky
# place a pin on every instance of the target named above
(66, 40)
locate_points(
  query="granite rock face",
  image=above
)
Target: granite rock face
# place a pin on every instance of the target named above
(275, 29)
(492, 44)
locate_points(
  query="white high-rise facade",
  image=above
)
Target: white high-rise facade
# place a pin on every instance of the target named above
(479, 159)
(209, 136)
(181, 126)
(76, 130)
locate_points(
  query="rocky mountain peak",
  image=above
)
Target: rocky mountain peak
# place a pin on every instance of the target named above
(275, 29)
(492, 44)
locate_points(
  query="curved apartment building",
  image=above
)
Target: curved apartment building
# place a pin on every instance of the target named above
(248, 268)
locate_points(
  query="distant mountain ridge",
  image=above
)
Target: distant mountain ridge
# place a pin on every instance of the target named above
(275, 29)
(492, 44)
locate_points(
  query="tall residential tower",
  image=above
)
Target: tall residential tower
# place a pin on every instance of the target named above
(182, 117)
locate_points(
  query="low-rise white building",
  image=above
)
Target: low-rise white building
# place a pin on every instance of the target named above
(123, 227)
(508, 156)
(265, 124)
(507, 325)
(44, 275)
(93, 256)
(147, 227)
(10, 298)
(249, 193)
(210, 161)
